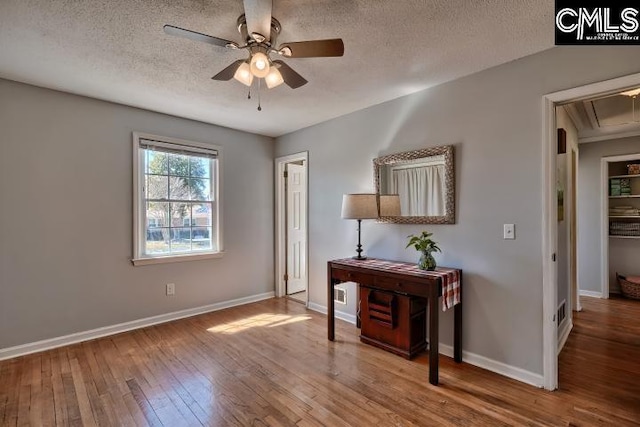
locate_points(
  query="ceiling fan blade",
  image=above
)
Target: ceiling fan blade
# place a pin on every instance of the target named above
(199, 37)
(313, 48)
(290, 77)
(227, 73)
(258, 15)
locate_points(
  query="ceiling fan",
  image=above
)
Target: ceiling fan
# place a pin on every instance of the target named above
(259, 31)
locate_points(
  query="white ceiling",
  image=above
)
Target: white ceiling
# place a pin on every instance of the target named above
(116, 50)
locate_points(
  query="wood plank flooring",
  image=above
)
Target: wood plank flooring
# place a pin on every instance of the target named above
(270, 364)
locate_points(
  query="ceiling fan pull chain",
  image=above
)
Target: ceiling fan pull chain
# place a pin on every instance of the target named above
(259, 106)
(249, 94)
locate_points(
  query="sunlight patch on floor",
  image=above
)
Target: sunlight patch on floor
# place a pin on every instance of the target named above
(266, 320)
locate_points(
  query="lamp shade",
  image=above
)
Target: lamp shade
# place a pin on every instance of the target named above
(359, 206)
(389, 205)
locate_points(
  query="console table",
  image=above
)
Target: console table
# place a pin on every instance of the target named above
(403, 278)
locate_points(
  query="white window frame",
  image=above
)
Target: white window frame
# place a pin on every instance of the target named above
(139, 219)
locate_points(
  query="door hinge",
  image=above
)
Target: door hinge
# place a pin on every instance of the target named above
(286, 174)
(286, 277)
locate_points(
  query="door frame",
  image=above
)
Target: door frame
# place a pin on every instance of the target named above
(573, 262)
(604, 216)
(280, 219)
(549, 211)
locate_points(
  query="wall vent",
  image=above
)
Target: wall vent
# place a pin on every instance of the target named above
(562, 312)
(340, 295)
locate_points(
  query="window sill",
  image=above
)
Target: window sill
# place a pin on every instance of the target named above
(175, 258)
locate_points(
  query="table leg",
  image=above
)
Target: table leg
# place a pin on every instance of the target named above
(358, 308)
(457, 331)
(433, 335)
(330, 307)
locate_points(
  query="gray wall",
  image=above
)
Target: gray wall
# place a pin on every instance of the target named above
(494, 120)
(623, 254)
(66, 217)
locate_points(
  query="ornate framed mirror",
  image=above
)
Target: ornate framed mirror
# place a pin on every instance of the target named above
(424, 182)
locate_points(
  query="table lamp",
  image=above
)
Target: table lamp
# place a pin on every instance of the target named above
(390, 205)
(359, 206)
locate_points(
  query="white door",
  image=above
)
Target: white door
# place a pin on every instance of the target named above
(296, 232)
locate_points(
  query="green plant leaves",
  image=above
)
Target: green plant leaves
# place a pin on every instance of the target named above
(423, 243)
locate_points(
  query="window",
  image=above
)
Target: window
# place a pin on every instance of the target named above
(176, 198)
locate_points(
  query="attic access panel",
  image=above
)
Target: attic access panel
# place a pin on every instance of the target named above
(614, 110)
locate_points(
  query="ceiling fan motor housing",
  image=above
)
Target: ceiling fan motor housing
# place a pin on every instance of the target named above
(244, 32)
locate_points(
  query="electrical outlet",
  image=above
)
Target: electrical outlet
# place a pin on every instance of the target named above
(340, 296)
(509, 231)
(171, 289)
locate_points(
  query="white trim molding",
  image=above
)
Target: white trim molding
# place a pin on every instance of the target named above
(608, 137)
(347, 317)
(604, 227)
(564, 331)
(176, 258)
(34, 347)
(509, 371)
(591, 294)
(467, 357)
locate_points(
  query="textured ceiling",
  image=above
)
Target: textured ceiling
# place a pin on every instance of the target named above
(116, 50)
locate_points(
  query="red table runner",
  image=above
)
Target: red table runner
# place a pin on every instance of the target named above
(450, 276)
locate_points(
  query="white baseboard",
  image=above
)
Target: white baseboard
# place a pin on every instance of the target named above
(513, 372)
(347, 317)
(519, 374)
(563, 333)
(592, 294)
(34, 347)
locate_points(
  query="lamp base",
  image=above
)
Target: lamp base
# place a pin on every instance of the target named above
(358, 257)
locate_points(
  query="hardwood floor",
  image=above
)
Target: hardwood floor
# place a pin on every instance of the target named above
(299, 297)
(270, 363)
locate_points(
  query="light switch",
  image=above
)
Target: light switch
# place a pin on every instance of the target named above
(509, 231)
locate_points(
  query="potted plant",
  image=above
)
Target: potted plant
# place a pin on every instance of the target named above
(426, 247)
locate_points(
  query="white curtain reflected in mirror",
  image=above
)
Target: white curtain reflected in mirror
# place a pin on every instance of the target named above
(421, 186)
(423, 181)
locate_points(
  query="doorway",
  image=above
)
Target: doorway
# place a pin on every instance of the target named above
(550, 211)
(614, 220)
(291, 179)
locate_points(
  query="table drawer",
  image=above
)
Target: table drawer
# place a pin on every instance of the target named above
(398, 285)
(351, 276)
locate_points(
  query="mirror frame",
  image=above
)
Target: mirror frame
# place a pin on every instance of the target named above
(447, 151)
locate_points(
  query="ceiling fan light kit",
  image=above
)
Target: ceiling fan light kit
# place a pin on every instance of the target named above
(260, 40)
(259, 65)
(632, 93)
(243, 74)
(274, 78)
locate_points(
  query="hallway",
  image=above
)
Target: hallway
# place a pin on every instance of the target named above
(601, 360)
